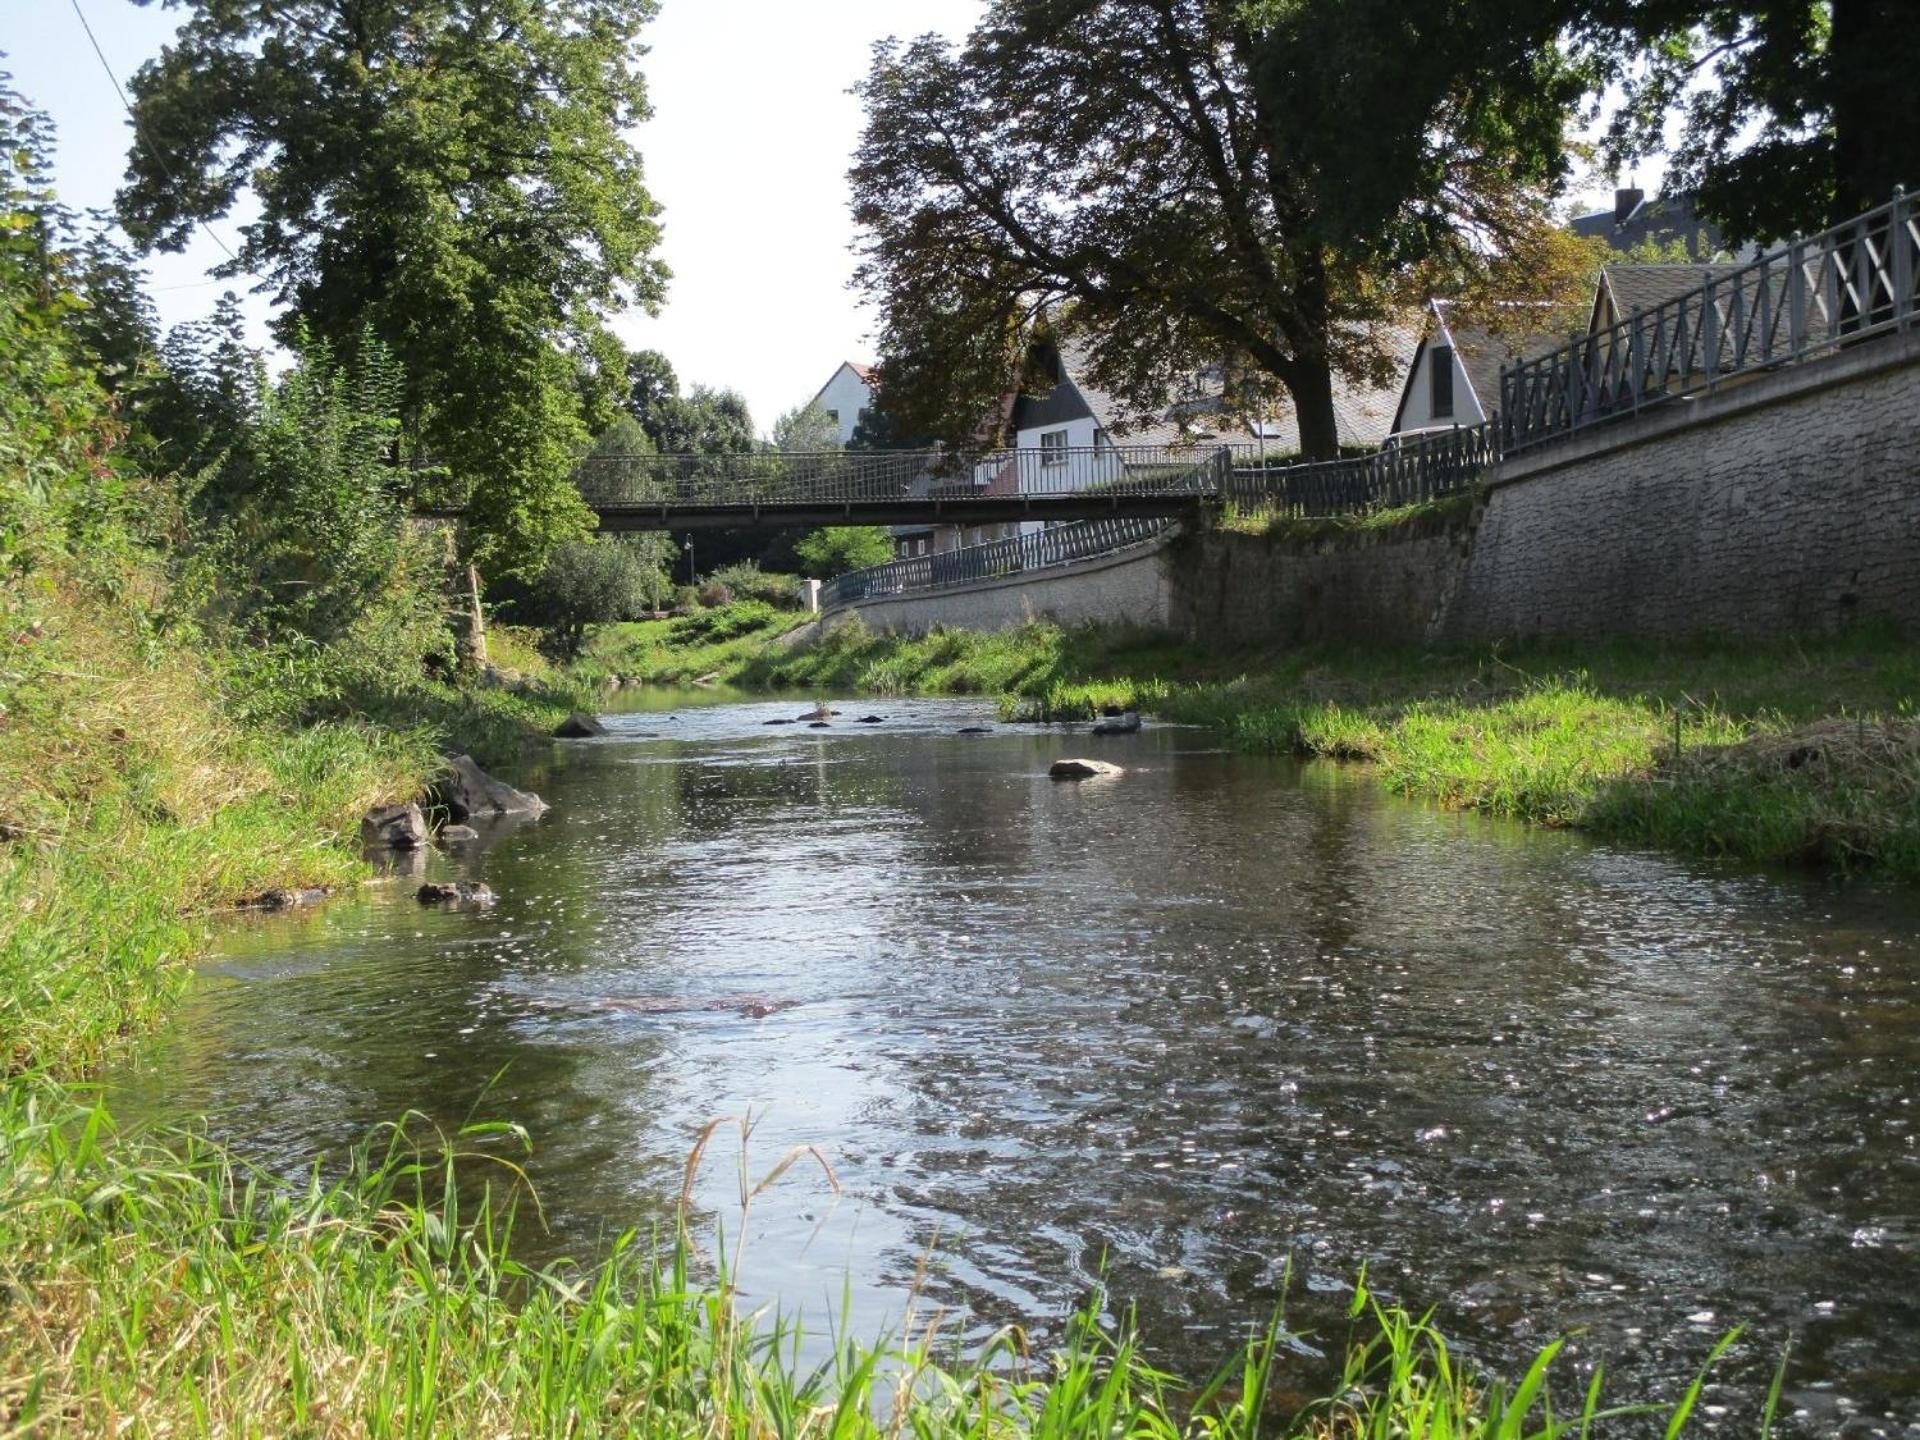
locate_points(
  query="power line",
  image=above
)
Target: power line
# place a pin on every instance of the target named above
(127, 105)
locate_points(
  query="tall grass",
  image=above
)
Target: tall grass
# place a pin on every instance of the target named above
(155, 1287)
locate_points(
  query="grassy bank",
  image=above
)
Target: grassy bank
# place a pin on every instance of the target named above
(156, 1289)
(722, 643)
(148, 780)
(1803, 750)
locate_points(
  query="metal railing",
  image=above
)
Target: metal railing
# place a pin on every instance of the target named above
(838, 477)
(996, 559)
(1806, 299)
(1427, 468)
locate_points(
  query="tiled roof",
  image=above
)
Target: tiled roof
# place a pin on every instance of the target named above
(1634, 287)
(1363, 414)
(1482, 353)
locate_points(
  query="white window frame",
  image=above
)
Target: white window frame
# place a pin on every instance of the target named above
(1053, 448)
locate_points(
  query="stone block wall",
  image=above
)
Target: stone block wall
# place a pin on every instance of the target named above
(1791, 502)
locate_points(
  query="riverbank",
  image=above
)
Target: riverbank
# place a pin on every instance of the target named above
(156, 1285)
(150, 781)
(1803, 750)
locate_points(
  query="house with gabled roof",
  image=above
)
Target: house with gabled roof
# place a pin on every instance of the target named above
(1454, 377)
(847, 396)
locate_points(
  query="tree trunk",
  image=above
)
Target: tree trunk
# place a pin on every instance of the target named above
(1310, 384)
(1872, 57)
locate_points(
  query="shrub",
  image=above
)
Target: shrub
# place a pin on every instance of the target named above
(584, 582)
(714, 595)
(730, 622)
(749, 582)
(839, 548)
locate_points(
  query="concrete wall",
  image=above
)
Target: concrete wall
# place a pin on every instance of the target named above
(1131, 588)
(1789, 502)
(1383, 587)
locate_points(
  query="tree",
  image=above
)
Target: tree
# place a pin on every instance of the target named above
(837, 549)
(582, 583)
(454, 179)
(706, 422)
(1806, 117)
(619, 457)
(1188, 183)
(806, 429)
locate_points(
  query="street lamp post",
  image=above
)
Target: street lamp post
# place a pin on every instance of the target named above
(688, 547)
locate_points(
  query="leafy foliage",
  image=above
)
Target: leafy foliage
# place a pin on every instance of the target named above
(314, 543)
(457, 183)
(1808, 117)
(806, 429)
(583, 583)
(836, 549)
(1185, 186)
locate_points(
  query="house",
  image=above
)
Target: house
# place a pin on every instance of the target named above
(1625, 288)
(1074, 435)
(1635, 220)
(1454, 378)
(847, 396)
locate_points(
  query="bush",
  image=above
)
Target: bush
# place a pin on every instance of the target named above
(749, 582)
(713, 595)
(840, 548)
(584, 582)
(743, 617)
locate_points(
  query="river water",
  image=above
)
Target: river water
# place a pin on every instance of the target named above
(1224, 1028)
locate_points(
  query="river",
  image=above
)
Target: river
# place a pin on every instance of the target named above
(1218, 1025)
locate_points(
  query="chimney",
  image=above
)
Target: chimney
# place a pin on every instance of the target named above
(1625, 202)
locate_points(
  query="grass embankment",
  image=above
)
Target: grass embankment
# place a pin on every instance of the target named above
(1800, 750)
(147, 780)
(720, 643)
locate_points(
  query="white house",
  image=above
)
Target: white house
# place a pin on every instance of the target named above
(847, 396)
(1454, 378)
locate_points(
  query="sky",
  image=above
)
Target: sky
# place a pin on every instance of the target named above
(748, 150)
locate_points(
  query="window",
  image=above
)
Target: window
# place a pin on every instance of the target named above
(921, 546)
(1053, 447)
(834, 416)
(1440, 381)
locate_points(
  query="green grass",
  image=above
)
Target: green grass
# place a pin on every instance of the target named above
(722, 643)
(145, 785)
(1801, 750)
(155, 1287)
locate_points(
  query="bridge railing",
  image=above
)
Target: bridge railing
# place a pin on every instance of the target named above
(1426, 468)
(1806, 299)
(837, 477)
(993, 560)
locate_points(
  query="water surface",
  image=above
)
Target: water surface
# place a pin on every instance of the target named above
(1220, 1021)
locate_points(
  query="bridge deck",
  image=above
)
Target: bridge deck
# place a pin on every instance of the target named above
(627, 517)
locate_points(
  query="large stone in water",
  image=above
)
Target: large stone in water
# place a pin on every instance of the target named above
(1118, 724)
(579, 726)
(394, 827)
(1075, 768)
(470, 791)
(460, 892)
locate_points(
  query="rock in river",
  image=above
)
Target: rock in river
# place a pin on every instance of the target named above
(579, 726)
(460, 892)
(1078, 769)
(458, 834)
(1118, 724)
(470, 791)
(394, 827)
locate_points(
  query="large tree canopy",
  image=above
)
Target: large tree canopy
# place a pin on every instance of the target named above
(1795, 114)
(1194, 182)
(450, 174)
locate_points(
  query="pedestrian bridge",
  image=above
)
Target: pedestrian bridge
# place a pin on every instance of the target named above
(897, 487)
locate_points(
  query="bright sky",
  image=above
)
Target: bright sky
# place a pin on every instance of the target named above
(748, 151)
